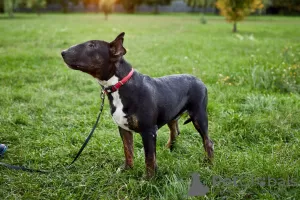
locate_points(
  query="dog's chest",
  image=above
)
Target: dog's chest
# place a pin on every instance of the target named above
(118, 115)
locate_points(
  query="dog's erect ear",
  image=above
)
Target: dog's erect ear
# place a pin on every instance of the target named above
(116, 47)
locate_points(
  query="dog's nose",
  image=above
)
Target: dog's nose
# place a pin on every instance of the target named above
(63, 53)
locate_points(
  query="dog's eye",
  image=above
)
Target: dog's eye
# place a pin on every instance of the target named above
(91, 45)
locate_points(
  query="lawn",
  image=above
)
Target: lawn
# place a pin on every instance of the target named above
(47, 110)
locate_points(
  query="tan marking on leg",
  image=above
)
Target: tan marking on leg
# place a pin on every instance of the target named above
(127, 139)
(150, 167)
(207, 143)
(209, 148)
(133, 122)
(173, 126)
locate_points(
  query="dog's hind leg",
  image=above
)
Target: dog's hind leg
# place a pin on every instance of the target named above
(201, 125)
(199, 118)
(174, 132)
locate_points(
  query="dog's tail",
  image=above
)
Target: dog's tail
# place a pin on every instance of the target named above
(187, 121)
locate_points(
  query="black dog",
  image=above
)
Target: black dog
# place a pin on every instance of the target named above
(140, 103)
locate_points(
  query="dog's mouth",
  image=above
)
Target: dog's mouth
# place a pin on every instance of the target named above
(72, 64)
(75, 67)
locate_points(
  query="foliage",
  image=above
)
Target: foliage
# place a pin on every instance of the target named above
(89, 2)
(237, 10)
(266, 3)
(156, 3)
(64, 3)
(107, 6)
(288, 4)
(200, 3)
(35, 4)
(9, 6)
(130, 5)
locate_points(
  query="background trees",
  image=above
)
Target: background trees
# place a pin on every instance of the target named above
(36, 5)
(201, 4)
(64, 3)
(287, 5)
(130, 5)
(156, 3)
(237, 10)
(9, 6)
(86, 3)
(107, 7)
(233, 10)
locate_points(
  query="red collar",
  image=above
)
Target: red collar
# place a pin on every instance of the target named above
(119, 84)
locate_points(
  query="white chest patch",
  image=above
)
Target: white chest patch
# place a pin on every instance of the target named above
(118, 116)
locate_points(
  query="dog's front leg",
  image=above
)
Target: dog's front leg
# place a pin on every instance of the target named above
(127, 139)
(149, 142)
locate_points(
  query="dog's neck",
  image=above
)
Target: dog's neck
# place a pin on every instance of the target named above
(122, 68)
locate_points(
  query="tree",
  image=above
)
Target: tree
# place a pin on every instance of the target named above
(9, 6)
(289, 5)
(89, 2)
(200, 4)
(157, 3)
(107, 7)
(64, 3)
(266, 4)
(36, 5)
(130, 5)
(237, 10)
(1, 6)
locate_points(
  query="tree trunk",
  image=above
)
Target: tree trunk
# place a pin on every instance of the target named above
(234, 27)
(9, 7)
(105, 15)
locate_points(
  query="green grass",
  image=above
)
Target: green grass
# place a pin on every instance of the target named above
(46, 109)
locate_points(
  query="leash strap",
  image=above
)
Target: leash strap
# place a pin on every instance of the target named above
(15, 167)
(92, 131)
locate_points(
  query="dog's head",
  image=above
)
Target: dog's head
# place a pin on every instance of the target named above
(95, 57)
